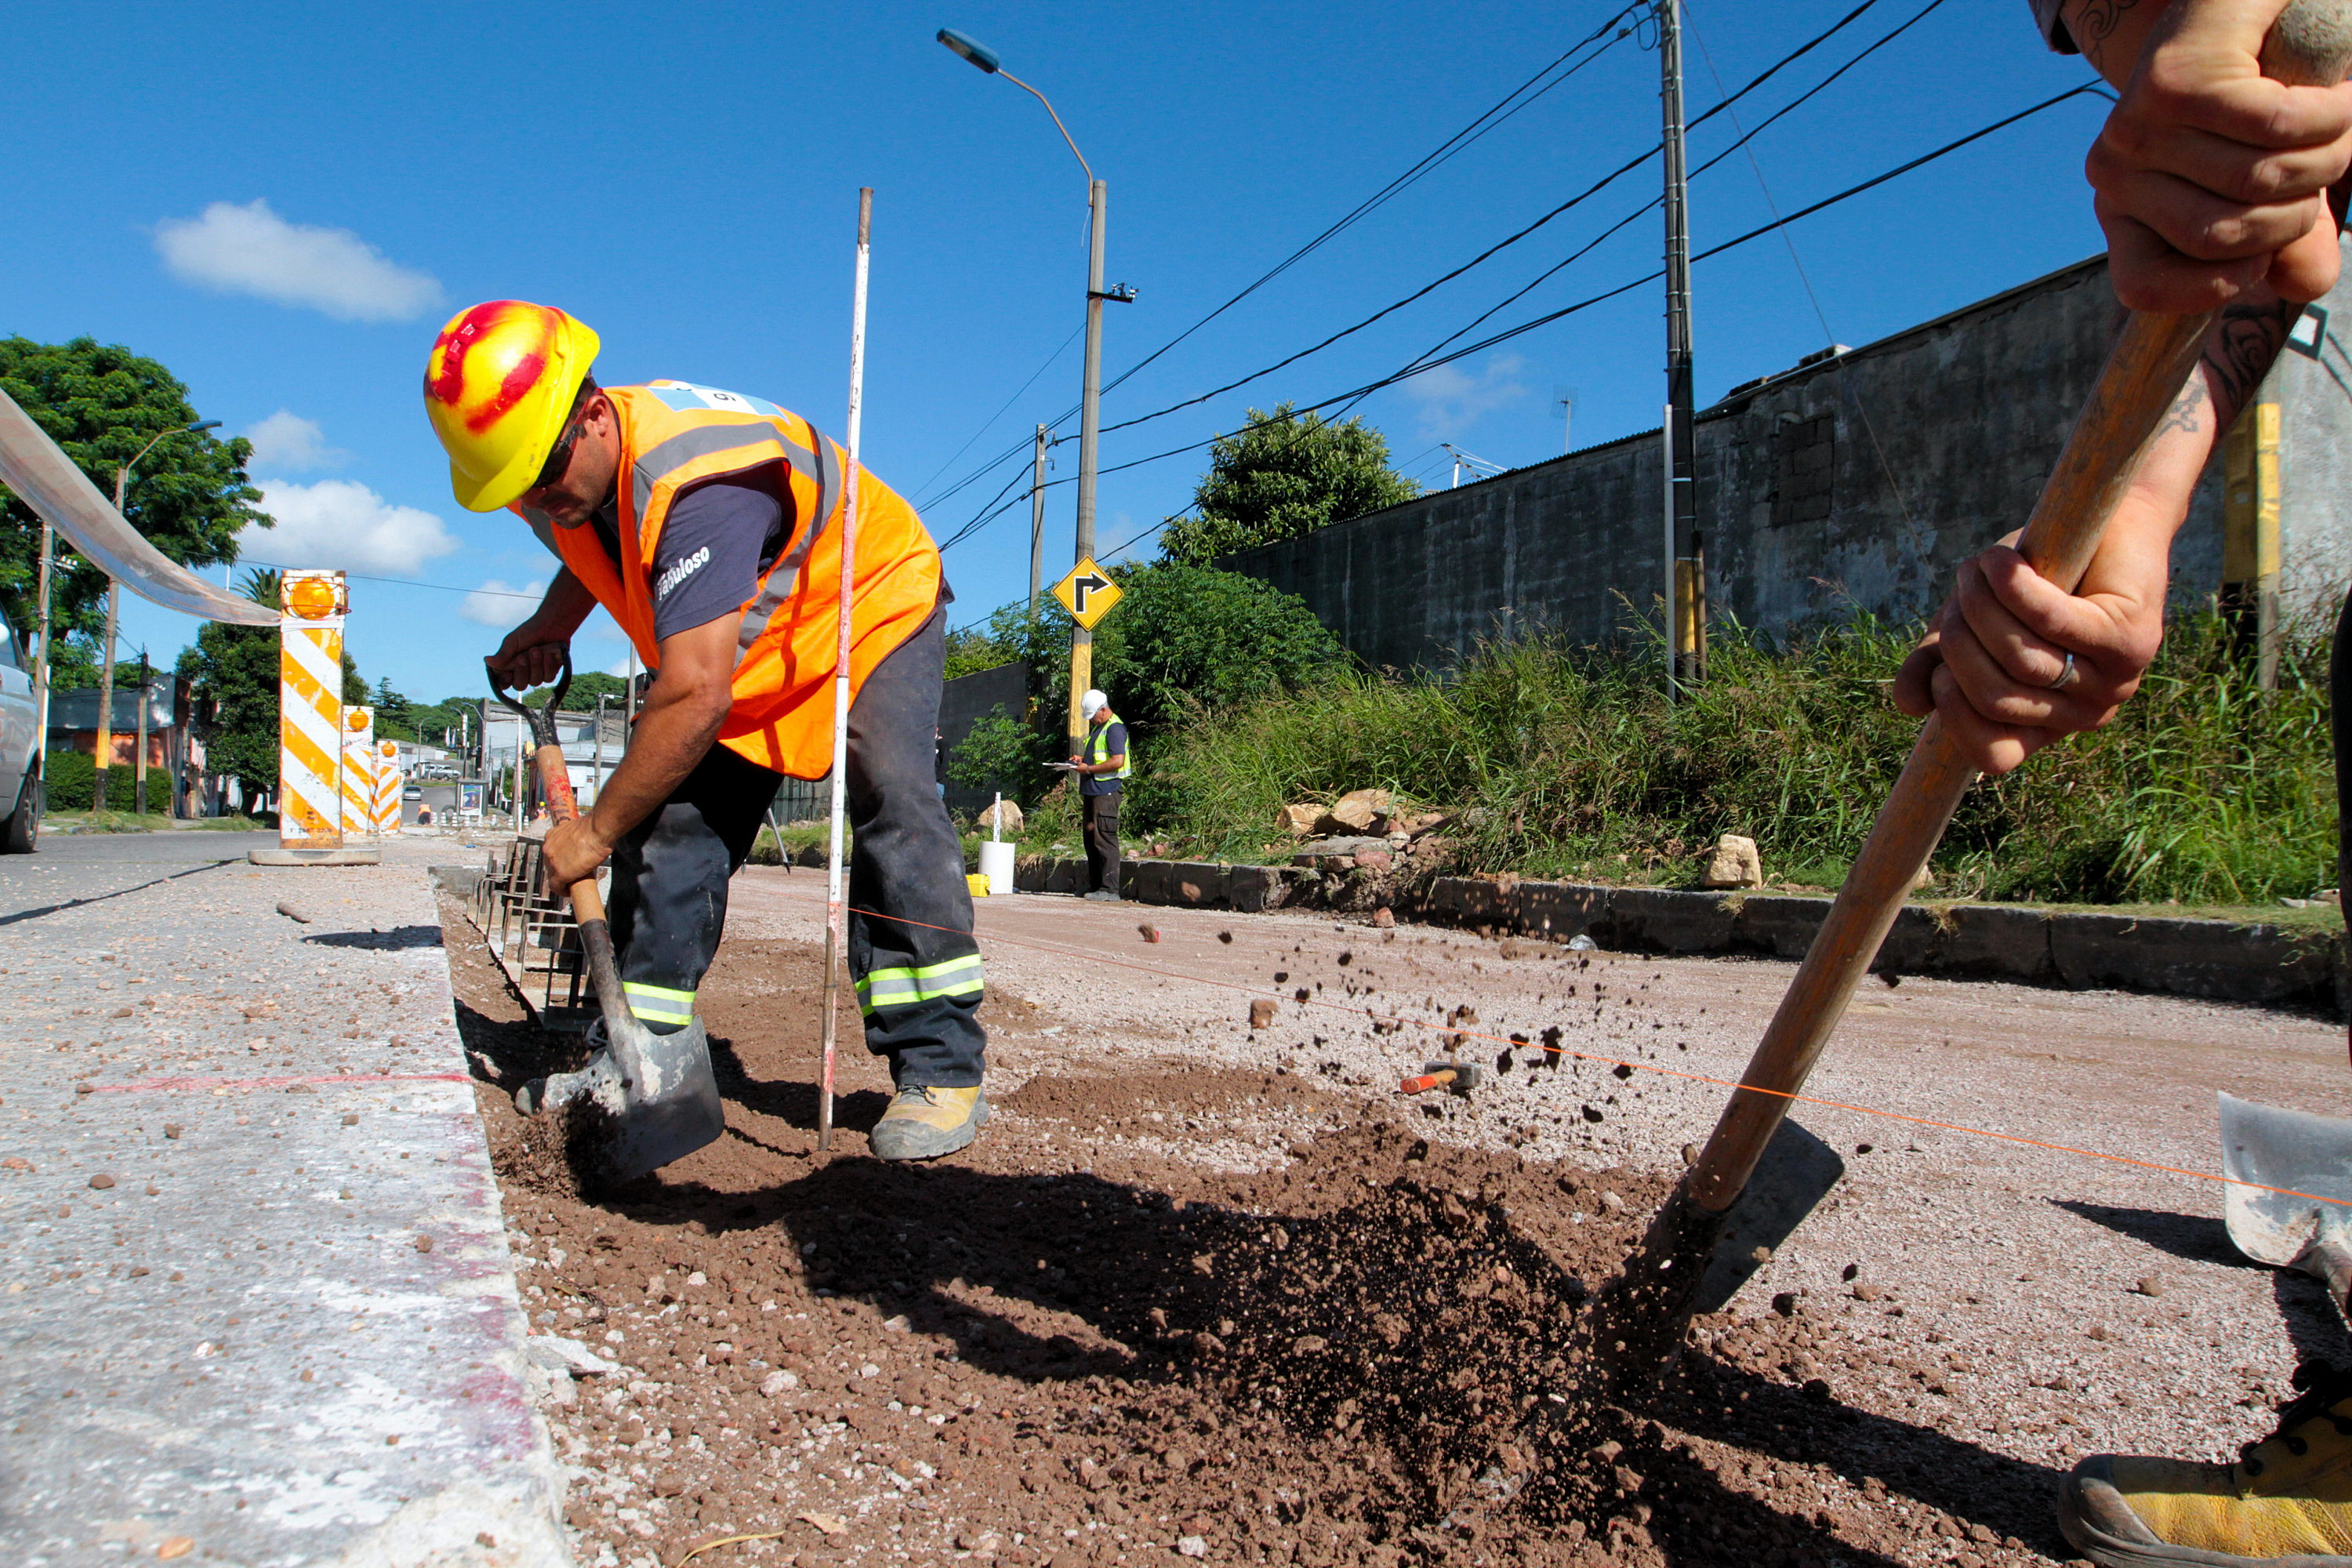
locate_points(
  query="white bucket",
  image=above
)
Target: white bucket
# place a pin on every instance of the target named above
(996, 865)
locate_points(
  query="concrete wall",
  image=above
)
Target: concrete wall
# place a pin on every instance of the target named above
(965, 701)
(1857, 483)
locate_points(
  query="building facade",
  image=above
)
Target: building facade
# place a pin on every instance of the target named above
(1856, 482)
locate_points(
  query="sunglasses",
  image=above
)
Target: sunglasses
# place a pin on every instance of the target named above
(558, 458)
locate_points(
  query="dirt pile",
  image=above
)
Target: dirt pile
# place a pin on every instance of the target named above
(1359, 1355)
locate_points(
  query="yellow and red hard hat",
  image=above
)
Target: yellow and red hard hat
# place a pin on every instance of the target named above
(498, 387)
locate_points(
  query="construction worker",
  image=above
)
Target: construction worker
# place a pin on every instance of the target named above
(2213, 189)
(1100, 770)
(710, 525)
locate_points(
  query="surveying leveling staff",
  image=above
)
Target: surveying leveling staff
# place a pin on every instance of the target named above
(708, 524)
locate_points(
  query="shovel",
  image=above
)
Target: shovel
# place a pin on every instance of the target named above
(1666, 1278)
(644, 1099)
(2310, 1157)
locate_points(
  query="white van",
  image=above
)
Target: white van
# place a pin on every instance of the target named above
(20, 747)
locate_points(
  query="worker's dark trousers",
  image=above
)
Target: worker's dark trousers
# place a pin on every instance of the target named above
(918, 974)
(1102, 841)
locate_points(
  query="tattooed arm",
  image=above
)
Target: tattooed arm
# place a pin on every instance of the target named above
(2208, 177)
(2005, 634)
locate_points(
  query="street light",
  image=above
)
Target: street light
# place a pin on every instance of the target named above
(1082, 650)
(103, 755)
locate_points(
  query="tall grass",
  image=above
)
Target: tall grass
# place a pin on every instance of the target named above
(1569, 761)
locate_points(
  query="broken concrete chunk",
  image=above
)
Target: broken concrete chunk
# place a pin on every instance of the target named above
(1735, 864)
(553, 1353)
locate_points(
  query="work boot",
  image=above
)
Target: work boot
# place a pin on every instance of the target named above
(1104, 895)
(2287, 1502)
(925, 1121)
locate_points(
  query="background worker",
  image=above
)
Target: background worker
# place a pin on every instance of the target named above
(2213, 187)
(1100, 770)
(721, 559)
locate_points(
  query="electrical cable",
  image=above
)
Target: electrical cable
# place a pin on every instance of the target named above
(993, 418)
(1494, 116)
(1745, 136)
(1499, 247)
(1508, 334)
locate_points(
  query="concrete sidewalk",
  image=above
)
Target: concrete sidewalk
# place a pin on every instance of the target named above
(256, 1305)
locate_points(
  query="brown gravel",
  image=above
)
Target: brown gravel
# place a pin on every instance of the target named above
(1169, 1309)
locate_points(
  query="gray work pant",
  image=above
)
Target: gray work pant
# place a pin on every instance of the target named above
(911, 948)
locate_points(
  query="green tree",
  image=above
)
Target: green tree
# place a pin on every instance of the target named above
(1280, 476)
(102, 403)
(582, 694)
(396, 716)
(1001, 752)
(233, 671)
(1183, 637)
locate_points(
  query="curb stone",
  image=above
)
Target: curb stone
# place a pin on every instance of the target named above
(2217, 960)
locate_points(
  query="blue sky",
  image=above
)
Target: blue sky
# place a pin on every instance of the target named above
(684, 180)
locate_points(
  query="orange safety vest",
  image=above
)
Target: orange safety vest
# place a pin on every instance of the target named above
(673, 434)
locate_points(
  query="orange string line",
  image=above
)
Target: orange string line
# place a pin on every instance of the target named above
(1637, 1066)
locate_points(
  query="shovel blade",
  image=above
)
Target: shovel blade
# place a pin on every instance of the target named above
(1797, 1172)
(669, 1105)
(2275, 1148)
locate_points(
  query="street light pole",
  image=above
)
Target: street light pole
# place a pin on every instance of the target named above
(1082, 641)
(103, 752)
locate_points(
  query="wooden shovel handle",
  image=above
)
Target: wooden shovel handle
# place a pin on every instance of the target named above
(2151, 361)
(587, 903)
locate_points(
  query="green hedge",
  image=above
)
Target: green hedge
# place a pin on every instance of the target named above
(71, 778)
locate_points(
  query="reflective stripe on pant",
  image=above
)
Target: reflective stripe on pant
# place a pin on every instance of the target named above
(919, 987)
(919, 980)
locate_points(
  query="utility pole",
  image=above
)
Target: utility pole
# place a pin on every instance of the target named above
(1082, 641)
(1037, 521)
(1567, 401)
(102, 754)
(139, 765)
(41, 667)
(1686, 580)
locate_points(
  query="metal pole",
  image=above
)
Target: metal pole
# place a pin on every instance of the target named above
(1687, 608)
(102, 754)
(139, 765)
(1666, 490)
(1036, 522)
(1082, 641)
(600, 745)
(836, 940)
(41, 667)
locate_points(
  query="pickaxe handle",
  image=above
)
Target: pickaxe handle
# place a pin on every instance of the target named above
(1427, 1081)
(2143, 374)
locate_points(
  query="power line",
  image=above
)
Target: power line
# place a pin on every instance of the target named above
(1494, 116)
(1500, 246)
(1550, 316)
(404, 582)
(1745, 136)
(993, 418)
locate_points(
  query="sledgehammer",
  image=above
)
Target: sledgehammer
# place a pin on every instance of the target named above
(1459, 1077)
(1670, 1276)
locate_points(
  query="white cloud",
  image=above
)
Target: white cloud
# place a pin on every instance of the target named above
(342, 524)
(251, 250)
(499, 603)
(289, 444)
(621, 669)
(1452, 401)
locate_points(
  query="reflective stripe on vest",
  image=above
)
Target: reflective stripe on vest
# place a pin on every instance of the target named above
(956, 977)
(1098, 752)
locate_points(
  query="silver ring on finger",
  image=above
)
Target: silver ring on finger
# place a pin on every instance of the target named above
(2066, 677)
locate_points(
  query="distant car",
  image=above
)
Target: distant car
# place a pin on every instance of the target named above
(411, 793)
(20, 748)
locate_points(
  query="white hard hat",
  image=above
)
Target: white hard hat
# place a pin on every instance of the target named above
(1092, 703)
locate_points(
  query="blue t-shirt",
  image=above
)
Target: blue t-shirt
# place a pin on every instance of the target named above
(717, 539)
(1104, 742)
